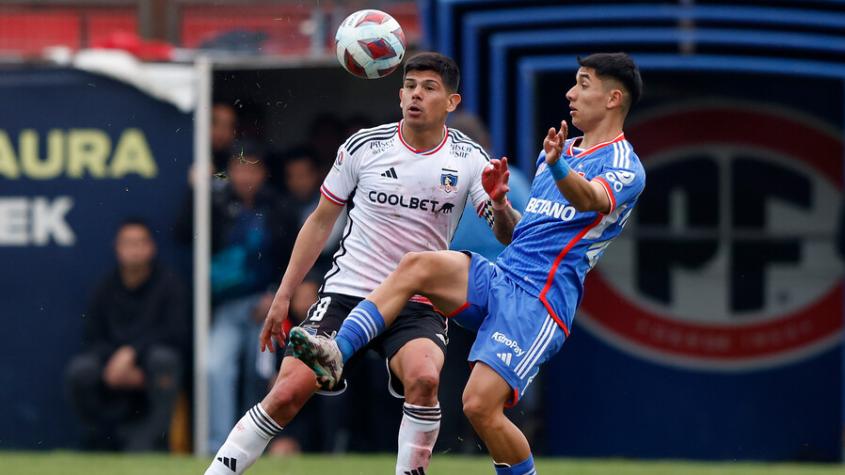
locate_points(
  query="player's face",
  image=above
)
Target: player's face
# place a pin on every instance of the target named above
(425, 101)
(134, 246)
(589, 99)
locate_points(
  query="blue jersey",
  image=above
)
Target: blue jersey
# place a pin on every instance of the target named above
(554, 246)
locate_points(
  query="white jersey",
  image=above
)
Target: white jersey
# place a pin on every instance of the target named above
(400, 200)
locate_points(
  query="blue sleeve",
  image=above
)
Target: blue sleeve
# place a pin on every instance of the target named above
(540, 159)
(623, 185)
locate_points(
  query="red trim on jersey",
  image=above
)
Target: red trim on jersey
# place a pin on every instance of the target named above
(458, 310)
(480, 209)
(609, 191)
(554, 268)
(331, 196)
(592, 149)
(420, 299)
(423, 152)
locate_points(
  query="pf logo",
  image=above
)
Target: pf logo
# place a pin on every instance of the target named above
(729, 262)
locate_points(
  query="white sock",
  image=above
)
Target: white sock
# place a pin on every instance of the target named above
(245, 443)
(417, 435)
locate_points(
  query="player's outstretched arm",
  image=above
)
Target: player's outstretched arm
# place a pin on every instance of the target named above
(494, 178)
(309, 244)
(584, 195)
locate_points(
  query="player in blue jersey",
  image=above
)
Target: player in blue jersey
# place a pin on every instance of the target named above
(522, 305)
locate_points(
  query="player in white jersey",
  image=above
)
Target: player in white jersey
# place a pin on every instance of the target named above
(522, 305)
(405, 185)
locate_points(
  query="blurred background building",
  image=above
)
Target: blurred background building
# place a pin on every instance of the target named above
(712, 329)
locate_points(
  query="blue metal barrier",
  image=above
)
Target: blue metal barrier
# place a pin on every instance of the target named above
(501, 44)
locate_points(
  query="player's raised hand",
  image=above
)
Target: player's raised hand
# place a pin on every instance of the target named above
(494, 179)
(553, 143)
(274, 325)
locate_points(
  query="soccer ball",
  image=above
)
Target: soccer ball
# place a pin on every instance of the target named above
(370, 44)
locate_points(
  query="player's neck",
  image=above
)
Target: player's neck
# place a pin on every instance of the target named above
(604, 132)
(422, 139)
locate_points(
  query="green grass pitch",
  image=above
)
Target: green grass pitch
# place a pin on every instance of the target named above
(67, 463)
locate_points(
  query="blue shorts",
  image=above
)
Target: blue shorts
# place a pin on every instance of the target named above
(515, 332)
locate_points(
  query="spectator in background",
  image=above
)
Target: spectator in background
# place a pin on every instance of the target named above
(302, 177)
(252, 237)
(354, 124)
(224, 123)
(325, 136)
(125, 383)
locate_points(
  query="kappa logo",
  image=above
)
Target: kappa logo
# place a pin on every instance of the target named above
(505, 357)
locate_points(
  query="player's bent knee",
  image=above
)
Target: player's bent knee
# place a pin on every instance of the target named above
(422, 387)
(476, 408)
(415, 265)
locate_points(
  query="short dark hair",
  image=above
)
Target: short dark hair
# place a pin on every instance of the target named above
(440, 64)
(134, 221)
(618, 66)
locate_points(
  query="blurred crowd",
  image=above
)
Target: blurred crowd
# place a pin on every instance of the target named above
(126, 384)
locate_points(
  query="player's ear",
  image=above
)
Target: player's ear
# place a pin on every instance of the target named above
(454, 100)
(401, 96)
(615, 99)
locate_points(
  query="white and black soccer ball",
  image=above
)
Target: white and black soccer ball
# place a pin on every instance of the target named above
(370, 44)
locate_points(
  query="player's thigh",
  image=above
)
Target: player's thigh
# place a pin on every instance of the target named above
(442, 276)
(486, 390)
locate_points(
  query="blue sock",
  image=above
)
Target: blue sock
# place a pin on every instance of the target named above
(526, 467)
(362, 325)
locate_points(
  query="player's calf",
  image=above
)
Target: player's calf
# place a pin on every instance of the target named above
(295, 385)
(418, 363)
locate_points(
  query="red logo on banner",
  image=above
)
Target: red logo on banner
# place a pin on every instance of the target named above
(729, 261)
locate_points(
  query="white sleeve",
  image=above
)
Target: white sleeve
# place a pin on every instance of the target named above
(342, 178)
(480, 201)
